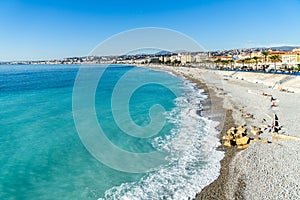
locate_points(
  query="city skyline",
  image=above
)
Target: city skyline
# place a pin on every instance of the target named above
(34, 30)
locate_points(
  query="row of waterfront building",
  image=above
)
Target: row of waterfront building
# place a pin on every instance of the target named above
(255, 59)
(267, 59)
(264, 59)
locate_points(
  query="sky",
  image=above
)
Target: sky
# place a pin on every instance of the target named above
(48, 29)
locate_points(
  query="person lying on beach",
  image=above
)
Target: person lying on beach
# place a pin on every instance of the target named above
(285, 90)
(282, 90)
(265, 94)
(248, 115)
(263, 120)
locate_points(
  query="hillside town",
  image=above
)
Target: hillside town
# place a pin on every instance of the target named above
(282, 59)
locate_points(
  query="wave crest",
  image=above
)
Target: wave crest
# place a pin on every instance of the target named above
(194, 160)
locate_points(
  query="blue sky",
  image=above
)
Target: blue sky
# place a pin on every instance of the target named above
(33, 29)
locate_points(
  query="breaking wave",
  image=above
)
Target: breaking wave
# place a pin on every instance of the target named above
(194, 160)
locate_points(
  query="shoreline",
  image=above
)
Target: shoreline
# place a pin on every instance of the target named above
(219, 112)
(261, 171)
(216, 189)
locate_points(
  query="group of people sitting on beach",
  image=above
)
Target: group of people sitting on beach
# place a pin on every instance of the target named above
(274, 127)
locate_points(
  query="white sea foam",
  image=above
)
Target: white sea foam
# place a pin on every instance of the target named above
(194, 161)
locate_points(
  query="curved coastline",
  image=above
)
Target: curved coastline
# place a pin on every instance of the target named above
(212, 109)
(262, 171)
(192, 140)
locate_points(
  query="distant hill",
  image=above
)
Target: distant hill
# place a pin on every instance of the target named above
(161, 53)
(283, 48)
(149, 51)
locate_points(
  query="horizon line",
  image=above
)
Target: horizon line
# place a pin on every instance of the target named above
(173, 52)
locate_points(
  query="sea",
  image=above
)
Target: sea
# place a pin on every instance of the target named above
(42, 155)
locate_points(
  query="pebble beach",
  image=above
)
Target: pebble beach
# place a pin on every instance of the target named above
(263, 170)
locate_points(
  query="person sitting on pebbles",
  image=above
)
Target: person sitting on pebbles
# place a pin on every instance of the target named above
(273, 99)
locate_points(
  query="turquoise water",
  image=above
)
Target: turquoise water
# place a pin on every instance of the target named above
(42, 156)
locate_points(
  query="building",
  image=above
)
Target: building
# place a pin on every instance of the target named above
(174, 58)
(296, 50)
(214, 58)
(186, 58)
(153, 60)
(164, 59)
(290, 59)
(201, 57)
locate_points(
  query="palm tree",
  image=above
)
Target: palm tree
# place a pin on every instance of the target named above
(242, 61)
(266, 54)
(248, 61)
(224, 63)
(275, 59)
(217, 62)
(231, 63)
(256, 58)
